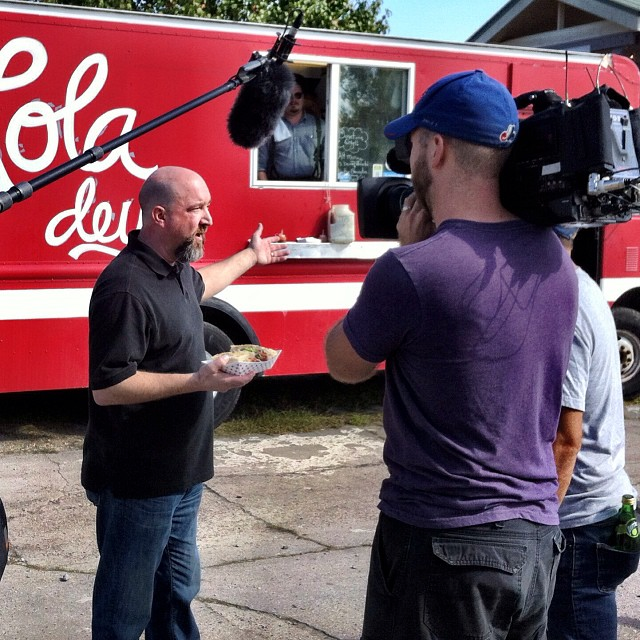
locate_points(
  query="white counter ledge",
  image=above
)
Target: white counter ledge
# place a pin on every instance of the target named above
(358, 250)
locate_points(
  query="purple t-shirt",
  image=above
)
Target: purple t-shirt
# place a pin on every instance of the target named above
(475, 325)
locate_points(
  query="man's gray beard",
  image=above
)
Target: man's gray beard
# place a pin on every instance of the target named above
(189, 252)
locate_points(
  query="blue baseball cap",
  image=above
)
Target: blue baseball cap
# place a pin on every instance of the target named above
(469, 105)
(566, 231)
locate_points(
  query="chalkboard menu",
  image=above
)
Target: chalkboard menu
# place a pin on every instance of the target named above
(353, 154)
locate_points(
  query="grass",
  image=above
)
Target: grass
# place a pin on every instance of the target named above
(50, 421)
(304, 403)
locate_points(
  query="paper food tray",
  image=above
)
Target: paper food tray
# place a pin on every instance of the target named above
(242, 368)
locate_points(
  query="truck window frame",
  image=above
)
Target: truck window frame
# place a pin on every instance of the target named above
(330, 71)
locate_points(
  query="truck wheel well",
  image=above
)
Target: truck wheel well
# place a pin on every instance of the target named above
(628, 329)
(629, 299)
(229, 320)
(224, 325)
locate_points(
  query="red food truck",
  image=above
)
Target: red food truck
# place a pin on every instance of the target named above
(73, 78)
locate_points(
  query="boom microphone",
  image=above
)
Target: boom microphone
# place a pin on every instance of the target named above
(284, 43)
(263, 99)
(251, 121)
(259, 105)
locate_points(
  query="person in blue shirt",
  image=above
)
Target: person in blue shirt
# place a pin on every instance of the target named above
(295, 151)
(590, 456)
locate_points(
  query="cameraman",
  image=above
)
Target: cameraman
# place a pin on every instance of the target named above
(474, 324)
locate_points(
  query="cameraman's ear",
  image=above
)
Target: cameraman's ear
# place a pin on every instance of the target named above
(438, 150)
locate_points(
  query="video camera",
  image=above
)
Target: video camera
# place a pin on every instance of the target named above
(572, 162)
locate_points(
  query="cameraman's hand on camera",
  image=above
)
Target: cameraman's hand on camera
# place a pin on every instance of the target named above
(415, 222)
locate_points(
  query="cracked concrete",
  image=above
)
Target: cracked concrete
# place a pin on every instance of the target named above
(285, 533)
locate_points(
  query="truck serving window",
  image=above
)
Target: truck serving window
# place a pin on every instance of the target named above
(369, 98)
(332, 130)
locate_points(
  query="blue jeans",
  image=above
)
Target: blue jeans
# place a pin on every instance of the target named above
(485, 582)
(149, 568)
(584, 602)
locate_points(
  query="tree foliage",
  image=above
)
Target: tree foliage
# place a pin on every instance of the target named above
(366, 16)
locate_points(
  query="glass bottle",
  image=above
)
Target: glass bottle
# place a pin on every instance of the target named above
(627, 536)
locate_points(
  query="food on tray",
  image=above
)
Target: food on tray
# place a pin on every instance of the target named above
(249, 353)
(281, 236)
(248, 358)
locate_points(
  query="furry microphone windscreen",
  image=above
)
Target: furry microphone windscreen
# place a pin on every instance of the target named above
(259, 105)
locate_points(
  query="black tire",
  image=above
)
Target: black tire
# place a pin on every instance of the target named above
(628, 327)
(227, 318)
(4, 539)
(217, 341)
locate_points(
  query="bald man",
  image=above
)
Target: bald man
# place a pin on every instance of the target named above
(148, 447)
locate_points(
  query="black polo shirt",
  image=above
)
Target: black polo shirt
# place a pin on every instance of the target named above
(145, 315)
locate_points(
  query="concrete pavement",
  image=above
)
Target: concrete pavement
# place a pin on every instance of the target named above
(285, 533)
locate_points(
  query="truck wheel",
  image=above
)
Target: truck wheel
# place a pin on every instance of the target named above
(217, 341)
(4, 539)
(628, 326)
